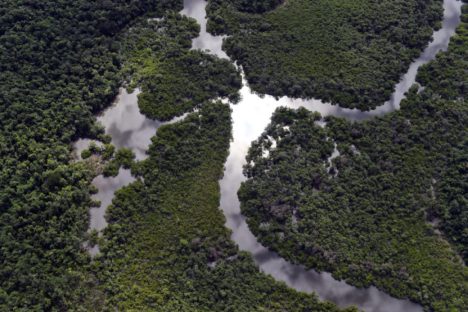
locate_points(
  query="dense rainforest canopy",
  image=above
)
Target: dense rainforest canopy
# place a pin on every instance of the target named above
(350, 53)
(391, 209)
(173, 78)
(58, 64)
(166, 247)
(63, 61)
(255, 6)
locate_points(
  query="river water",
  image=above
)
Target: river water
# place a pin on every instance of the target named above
(129, 128)
(251, 116)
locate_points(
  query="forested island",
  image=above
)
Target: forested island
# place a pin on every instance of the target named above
(392, 205)
(350, 53)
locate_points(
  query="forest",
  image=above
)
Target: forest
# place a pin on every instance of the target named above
(350, 53)
(166, 247)
(173, 78)
(61, 62)
(391, 209)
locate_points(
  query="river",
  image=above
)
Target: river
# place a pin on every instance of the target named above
(129, 128)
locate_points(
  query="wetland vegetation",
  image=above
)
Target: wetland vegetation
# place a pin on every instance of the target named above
(166, 247)
(391, 209)
(350, 53)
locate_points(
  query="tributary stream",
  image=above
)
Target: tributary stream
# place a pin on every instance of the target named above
(129, 128)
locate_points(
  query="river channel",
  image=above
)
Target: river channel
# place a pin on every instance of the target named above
(129, 128)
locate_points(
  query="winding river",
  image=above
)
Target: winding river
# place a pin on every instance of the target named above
(129, 128)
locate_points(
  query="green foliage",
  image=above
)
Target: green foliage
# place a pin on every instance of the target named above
(255, 6)
(94, 148)
(350, 53)
(111, 169)
(395, 213)
(93, 237)
(148, 42)
(166, 246)
(448, 77)
(108, 151)
(59, 63)
(173, 78)
(85, 154)
(124, 157)
(184, 81)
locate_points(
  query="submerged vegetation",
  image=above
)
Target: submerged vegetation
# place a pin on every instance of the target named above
(391, 210)
(350, 53)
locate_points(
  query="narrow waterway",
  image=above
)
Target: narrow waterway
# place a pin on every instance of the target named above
(251, 116)
(129, 128)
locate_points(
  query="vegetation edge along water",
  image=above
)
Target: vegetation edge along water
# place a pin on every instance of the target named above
(391, 211)
(61, 62)
(349, 53)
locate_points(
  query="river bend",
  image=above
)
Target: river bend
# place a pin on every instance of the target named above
(129, 128)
